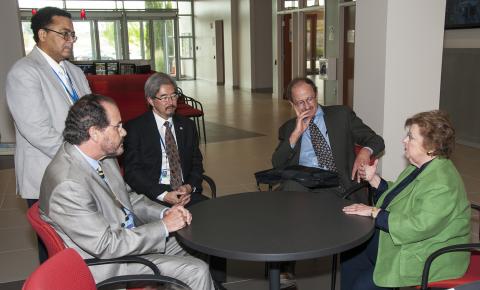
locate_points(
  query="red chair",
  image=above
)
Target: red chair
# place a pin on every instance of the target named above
(68, 270)
(49, 236)
(55, 244)
(473, 271)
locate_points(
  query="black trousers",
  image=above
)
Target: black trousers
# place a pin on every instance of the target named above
(357, 266)
(42, 250)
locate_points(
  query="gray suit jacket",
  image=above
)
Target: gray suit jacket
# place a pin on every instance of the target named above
(345, 130)
(88, 215)
(39, 106)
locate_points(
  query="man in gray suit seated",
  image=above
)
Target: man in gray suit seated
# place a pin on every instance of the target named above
(83, 196)
(40, 89)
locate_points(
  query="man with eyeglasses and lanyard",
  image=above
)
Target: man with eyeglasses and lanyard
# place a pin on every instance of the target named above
(40, 89)
(167, 170)
(162, 158)
(335, 130)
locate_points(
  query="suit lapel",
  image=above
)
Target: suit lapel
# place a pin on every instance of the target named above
(50, 74)
(333, 135)
(153, 135)
(116, 184)
(179, 134)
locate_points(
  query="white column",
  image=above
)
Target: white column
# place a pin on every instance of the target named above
(398, 58)
(12, 50)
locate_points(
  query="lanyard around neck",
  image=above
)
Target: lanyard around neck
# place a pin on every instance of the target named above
(73, 94)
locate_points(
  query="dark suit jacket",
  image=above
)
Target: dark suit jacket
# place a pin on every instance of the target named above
(345, 130)
(143, 154)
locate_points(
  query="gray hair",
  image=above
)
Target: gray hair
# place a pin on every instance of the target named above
(155, 81)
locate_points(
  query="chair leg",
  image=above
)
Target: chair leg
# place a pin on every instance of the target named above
(334, 272)
(197, 124)
(204, 132)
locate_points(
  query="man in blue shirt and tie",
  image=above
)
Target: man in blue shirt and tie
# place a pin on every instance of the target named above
(323, 137)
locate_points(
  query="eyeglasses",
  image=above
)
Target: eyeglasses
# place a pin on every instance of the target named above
(303, 103)
(66, 35)
(165, 98)
(119, 127)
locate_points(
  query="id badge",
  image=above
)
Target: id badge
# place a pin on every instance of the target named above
(164, 177)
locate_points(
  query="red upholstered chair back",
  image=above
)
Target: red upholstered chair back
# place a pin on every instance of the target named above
(358, 148)
(49, 236)
(67, 270)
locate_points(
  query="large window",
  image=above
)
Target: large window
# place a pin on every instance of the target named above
(160, 32)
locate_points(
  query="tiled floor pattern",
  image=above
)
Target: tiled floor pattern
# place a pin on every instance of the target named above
(231, 163)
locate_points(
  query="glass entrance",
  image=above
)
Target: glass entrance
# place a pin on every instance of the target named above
(164, 49)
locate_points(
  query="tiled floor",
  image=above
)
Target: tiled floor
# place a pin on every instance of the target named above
(231, 163)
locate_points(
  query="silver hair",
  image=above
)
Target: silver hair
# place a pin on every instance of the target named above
(155, 81)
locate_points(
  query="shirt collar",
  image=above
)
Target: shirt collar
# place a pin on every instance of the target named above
(319, 113)
(92, 162)
(161, 121)
(57, 67)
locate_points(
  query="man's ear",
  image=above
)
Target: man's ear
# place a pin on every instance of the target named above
(42, 35)
(94, 133)
(150, 101)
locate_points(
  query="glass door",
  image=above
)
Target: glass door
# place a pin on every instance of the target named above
(165, 46)
(138, 39)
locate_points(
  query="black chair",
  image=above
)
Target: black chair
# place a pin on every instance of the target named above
(191, 108)
(211, 184)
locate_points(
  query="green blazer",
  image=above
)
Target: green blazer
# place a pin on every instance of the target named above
(432, 212)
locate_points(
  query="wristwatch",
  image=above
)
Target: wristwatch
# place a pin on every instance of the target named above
(375, 211)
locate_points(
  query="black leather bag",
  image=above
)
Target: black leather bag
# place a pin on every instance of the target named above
(311, 177)
(307, 176)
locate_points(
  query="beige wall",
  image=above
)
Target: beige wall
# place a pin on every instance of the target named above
(261, 42)
(12, 50)
(206, 12)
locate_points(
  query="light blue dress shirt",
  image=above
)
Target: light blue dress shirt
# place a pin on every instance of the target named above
(307, 154)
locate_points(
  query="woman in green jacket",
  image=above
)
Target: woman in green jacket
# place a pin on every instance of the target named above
(424, 210)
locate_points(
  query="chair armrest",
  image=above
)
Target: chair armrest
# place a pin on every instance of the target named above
(211, 183)
(142, 278)
(126, 259)
(434, 255)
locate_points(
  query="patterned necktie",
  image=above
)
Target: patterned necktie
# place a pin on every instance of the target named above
(100, 172)
(173, 158)
(321, 148)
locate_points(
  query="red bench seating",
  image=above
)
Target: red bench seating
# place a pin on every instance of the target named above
(126, 90)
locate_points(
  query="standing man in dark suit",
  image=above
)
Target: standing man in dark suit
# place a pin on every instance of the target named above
(340, 130)
(149, 162)
(40, 89)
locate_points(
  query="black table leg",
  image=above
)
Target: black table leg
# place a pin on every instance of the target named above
(334, 272)
(274, 270)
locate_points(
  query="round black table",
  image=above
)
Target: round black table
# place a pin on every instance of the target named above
(274, 226)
